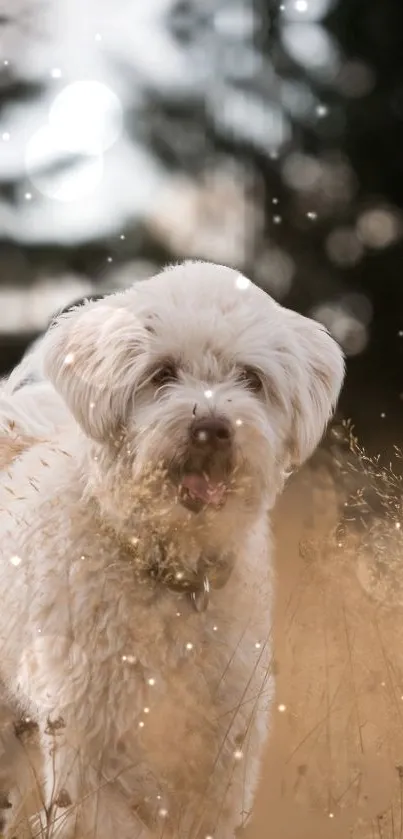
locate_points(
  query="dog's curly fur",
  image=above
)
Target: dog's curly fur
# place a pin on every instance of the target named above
(157, 427)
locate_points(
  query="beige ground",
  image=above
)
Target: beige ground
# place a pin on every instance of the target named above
(334, 764)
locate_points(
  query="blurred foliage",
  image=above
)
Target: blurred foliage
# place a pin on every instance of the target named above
(264, 135)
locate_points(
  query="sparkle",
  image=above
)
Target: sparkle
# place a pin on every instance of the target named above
(151, 682)
(274, 200)
(383, 415)
(400, 333)
(383, 684)
(109, 259)
(209, 836)
(28, 196)
(242, 282)
(312, 216)
(179, 575)
(122, 236)
(134, 540)
(178, 614)
(281, 708)
(163, 812)
(189, 645)
(208, 394)
(141, 724)
(238, 422)
(6, 63)
(331, 815)
(56, 73)
(5, 136)
(301, 5)
(82, 556)
(146, 710)
(398, 525)
(274, 153)
(15, 560)
(202, 437)
(39, 631)
(69, 358)
(92, 405)
(258, 645)
(131, 659)
(277, 219)
(238, 754)
(322, 110)
(215, 628)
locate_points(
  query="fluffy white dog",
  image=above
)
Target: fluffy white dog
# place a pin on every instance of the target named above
(135, 565)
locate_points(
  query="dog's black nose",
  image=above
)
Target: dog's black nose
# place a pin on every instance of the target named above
(211, 432)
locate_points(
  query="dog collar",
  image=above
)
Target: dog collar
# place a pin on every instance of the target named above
(211, 573)
(197, 585)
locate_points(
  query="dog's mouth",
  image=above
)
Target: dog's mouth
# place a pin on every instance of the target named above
(202, 481)
(198, 490)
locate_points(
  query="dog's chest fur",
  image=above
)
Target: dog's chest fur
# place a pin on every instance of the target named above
(177, 686)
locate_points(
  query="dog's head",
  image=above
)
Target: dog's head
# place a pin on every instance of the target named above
(199, 376)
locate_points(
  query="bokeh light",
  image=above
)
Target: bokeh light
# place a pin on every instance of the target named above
(379, 227)
(275, 270)
(307, 10)
(301, 171)
(347, 321)
(79, 176)
(311, 46)
(343, 246)
(86, 117)
(253, 118)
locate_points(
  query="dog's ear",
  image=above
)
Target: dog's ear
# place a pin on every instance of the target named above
(318, 376)
(89, 355)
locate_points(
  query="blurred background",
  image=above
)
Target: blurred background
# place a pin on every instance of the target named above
(264, 135)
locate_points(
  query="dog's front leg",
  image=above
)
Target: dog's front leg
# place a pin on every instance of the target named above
(64, 781)
(81, 801)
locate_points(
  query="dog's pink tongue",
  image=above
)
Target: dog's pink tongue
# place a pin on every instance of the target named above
(200, 487)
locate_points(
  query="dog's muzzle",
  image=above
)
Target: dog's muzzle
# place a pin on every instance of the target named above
(204, 477)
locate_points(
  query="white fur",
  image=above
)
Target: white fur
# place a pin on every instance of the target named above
(164, 709)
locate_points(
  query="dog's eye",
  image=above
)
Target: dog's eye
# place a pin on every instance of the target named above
(251, 379)
(164, 375)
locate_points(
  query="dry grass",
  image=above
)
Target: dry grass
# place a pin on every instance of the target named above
(334, 763)
(11, 446)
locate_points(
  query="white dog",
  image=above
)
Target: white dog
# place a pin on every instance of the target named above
(135, 566)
